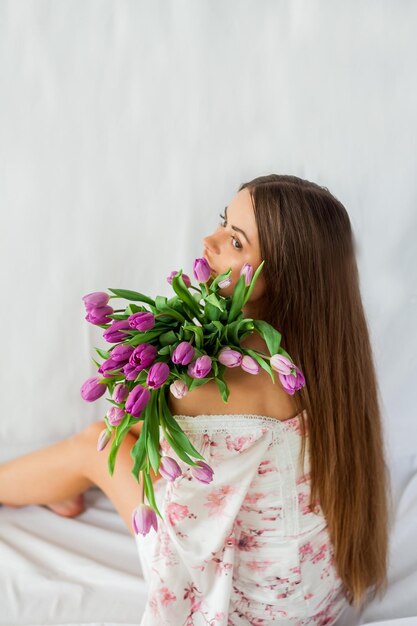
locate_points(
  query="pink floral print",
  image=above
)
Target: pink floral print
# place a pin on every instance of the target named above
(245, 549)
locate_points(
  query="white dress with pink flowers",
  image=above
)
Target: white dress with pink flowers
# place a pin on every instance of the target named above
(245, 548)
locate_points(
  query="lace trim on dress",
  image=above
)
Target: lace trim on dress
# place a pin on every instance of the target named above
(206, 422)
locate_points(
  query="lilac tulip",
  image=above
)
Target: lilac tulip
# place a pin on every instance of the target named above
(103, 439)
(121, 353)
(249, 365)
(143, 320)
(229, 357)
(203, 473)
(99, 315)
(281, 364)
(143, 518)
(137, 399)
(178, 389)
(202, 270)
(114, 334)
(92, 389)
(292, 383)
(247, 272)
(200, 368)
(183, 353)
(115, 415)
(185, 278)
(225, 283)
(108, 366)
(120, 393)
(95, 299)
(169, 468)
(157, 375)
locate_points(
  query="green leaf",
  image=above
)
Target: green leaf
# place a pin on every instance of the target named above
(153, 454)
(182, 291)
(221, 384)
(138, 452)
(132, 295)
(214, 300)
(237, 299)
(197, 382)
(149, 492)
(168, 338)
(103, 353)
(271, 336)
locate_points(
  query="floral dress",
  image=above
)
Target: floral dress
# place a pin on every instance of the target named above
(244, 549)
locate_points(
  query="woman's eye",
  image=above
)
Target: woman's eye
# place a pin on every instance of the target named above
(234, 239)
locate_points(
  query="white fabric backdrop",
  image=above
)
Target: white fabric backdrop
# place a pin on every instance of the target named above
(125, 128)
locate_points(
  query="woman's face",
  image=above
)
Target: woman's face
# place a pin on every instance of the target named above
(229, 247)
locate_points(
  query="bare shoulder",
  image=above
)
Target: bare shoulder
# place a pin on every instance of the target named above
(249, 394)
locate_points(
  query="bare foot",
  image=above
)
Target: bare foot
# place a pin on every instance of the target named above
(67, 508)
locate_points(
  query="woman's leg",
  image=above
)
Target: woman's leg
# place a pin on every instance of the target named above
(66, 469)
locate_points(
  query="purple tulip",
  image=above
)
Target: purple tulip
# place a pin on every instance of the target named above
(121, 353)
(247, 272)
(225, 283)
(203, 473)
(178, 389)
(98, 315)
(143, 356)
(92, 389)
(202, 270)
(157, 375)
(292, 383)
(229, 357)
(143, 320)
(200, 368)
(169, 468)
(95, 299)
(143, 518)
(103, 439)
(183, 353)
(137, 399)
(107, 366)
(120, 393)
(185, 278)
(281, 364)
(114, 334)
(115, 415)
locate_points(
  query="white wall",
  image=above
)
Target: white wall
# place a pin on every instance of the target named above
(125, 127)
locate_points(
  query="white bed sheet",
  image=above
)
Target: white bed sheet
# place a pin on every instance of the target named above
(85, 571)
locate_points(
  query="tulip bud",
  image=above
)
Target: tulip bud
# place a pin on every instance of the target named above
(225, 283)
(143, 320)
(292, 383)
(229, 357)
(178, 389)
(247, 272)
(200, 368)
(202, 270)
(203, 473)
(115, 415)
(99, 315)
(120, 393)
(183, 353)
(96, 299)
(114, 334)
(92, 389)
(137, 399)
(249, 365)
(157, 375)
(281, 364)
(169, 468)
(185, 278)
(143, 518)
(103, 439)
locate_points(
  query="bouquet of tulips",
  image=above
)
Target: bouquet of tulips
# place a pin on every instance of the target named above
(174, 345)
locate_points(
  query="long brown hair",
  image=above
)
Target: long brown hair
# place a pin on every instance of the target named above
(314, 300)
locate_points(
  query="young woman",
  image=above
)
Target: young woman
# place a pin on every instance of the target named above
(295, 524)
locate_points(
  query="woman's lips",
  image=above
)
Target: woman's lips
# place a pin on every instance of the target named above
(212, 270)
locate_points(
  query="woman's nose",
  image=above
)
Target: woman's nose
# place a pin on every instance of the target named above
(211, 244)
